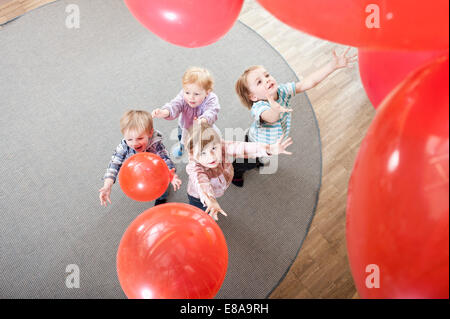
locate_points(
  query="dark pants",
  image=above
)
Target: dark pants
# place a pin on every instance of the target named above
(196, 202)
(180, 134)
(165, 195)
(241, 165)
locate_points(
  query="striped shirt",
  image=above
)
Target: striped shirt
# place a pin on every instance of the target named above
(123, 151)
(270, 133)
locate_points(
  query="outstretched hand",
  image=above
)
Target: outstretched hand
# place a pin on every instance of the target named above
(213, 209)
(105, 192)
(160, 114)
(280, 146)
(176, 182)
(200, 121)
(343, 61)
(276, 106)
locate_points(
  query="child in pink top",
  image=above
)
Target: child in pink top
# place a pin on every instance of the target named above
(210, 167)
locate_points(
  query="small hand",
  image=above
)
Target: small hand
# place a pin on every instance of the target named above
(343, 61)
(200, 121)
(276, 106)
(280, 146)
(158, 113)
(214, 209)
(105, 195)
(176, 182)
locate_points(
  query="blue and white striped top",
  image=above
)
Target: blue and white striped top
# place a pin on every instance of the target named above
(270, 133)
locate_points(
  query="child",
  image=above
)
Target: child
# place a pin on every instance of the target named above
(139, 136)
(195, 101)
(210, 166)
(269, 102)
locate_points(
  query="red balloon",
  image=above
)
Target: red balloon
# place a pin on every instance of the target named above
(144, 177)
(191, 24)
(398, 197)
(382, 71)
(172, 251)
(397, 24)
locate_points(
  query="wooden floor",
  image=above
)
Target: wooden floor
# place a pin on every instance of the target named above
(344, 113)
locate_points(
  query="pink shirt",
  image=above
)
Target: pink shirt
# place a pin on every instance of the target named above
(213, 182)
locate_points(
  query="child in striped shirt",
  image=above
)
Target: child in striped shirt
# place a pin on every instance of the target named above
(139, 136)
(210, 167)
(269, 102)
(195, 101)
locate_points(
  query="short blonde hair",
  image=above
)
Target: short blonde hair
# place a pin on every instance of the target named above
(199, 76)
(200, 136)
(137, 120)
(242, 88)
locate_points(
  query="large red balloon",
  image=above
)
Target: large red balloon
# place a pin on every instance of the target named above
(172, 251)
(398, 197)
(382, 71)
(403, 24)
(191, 24)
(144, 177)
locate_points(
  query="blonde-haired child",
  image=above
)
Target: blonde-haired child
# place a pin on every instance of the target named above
(195, 101)
(210, 167)
(269, 102)
(139, 136)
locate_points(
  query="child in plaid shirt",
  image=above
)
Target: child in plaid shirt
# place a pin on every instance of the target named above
(139, 136)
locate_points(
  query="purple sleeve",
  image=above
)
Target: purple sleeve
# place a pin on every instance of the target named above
(175, 107)
(211, 110)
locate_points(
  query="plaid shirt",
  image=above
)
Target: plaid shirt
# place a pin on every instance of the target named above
(123, 151)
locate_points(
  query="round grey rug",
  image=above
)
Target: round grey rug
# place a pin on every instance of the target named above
(62, 93)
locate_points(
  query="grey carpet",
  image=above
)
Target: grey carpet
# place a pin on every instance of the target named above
(62, 92)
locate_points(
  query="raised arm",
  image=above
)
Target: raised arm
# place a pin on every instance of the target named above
(204, 188)
(253, 150)
(245, 150)
(273, 114)
(110, 176)
(337, 62)
(171, 110)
